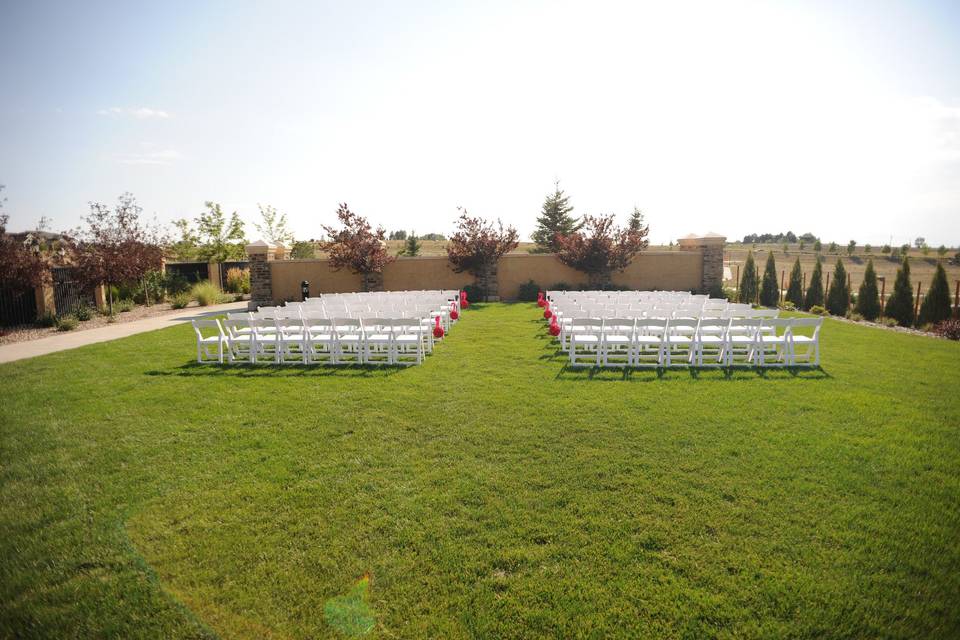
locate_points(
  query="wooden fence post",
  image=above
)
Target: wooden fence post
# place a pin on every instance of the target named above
(956, 300)
(883, 293)
(916, 303)
(783, 274)
(826, 289)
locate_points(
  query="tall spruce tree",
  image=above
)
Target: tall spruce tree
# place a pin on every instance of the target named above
(769, 291)
(936, 304)
(748, 281)
(412, 246)
(838, 298)
(814, 295)
(795, 288)
(868, 298)
(554, 220)
(636, 219)
(900, 305)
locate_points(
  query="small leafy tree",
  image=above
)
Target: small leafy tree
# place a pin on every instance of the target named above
(920, 242)
(814, 297)
(398, 235)
(832, 248)
(851, 247)
(904, 249)
(802, 245)
(554, 221)
(868, 297)
(936, 304)
(477, 244)
(747, 289)
(941, 251)
(412, 247)
(185, 246)
(867, 249)
(356, 246)
(900, 305)
(817, 246)
(885, 249)
(769, 290)
(600, 248)
(838, 298)
(303, 250)
(221, 239)
(23, 264)
(274, 226)
(795, 286)
(116, 247)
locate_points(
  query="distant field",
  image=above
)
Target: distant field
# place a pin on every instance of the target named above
(921, 267)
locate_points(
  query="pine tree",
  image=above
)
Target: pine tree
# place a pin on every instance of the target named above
(838, 298)
(412, 247)
(554, 220)
(795, 288)
(748, 281)
(769, 291)
(936, 305)
(636, 220)
(900, 305)
(868, 298)
(814, 296)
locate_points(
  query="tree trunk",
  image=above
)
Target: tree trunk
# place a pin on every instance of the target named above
(110, 298)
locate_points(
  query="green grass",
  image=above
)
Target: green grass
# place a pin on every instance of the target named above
(489, 493)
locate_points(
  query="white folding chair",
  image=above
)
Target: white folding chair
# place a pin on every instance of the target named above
(679, 341)
(617, 342)
(320, 342)
(210, 347)
(712, 340)
(773, 342)
(291, 340)
(241, 341)
(742, 341)
(378, 341)
(407, 341)
(648, 342)
(805, 349)
(585, 335)
(266, 340)
(349, 341)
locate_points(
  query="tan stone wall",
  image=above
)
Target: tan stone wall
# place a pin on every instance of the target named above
(679, 270)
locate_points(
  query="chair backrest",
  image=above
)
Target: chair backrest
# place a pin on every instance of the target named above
(713, 323)
(235, 326)
(619, 326)
(780, 326)
(805, 323)
(745, 325)
(347, 325)
(198, 325)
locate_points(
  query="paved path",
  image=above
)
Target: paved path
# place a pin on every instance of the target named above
(72, 340)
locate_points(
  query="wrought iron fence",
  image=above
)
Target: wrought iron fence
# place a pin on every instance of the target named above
(17, 307)
(68, 292)
(189, 271)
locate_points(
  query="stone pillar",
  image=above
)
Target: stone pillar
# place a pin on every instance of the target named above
(372, 281)
(710, 247)
(261, 255)
(487, 282)
(45, 300)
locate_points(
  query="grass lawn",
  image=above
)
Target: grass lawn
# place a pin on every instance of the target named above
(490, 493)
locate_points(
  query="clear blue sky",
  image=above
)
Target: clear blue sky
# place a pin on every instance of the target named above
(841, 118)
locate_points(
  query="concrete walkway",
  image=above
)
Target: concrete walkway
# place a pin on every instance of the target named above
(72, 340)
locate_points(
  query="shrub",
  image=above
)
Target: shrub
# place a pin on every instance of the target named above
(838, 298)
(528, 291)
(935, 307)
(868, 300)
(561, 286)
(47, 319)
(856, 317)
(175, 283)
(66, 323)
(786, 305)
(814, 297)
(206, 293)
(817, 310)
(474, 293)
(949, 329)
(748, 281)
(888, 322)
(769, 291)
(82, 311)
(795, 287)
(238, 280)
(900, 305)
(124, 305)
(600, 248)
(180, 300)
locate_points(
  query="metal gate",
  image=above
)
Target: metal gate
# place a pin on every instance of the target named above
(189, 271)
(17, 307)
(68, 292)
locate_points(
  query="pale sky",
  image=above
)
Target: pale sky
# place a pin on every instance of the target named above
(839, 118)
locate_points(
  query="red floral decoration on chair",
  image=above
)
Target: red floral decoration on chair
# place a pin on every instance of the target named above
(437, 329)
(554, 328)
(464, 303)
(454, 314)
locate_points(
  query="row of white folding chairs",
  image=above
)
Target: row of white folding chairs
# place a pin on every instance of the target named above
(400, 341)
(401, 310)
(705, 342)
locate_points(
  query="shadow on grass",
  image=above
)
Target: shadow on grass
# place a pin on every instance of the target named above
(707, 374)
(269, 370)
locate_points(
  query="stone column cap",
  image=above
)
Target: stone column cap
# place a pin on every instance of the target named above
(710, 238)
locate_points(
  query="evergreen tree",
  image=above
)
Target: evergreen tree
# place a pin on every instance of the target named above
(636, 220)
(838, 298)
(900, 305)
(748, 281)
(412, 247)
(795, 288)
(554, 220)
(769, 291)
(868, 298)
(936, 305)
(815, 290)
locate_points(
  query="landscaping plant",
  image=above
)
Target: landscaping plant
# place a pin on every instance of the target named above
(747, 291)
(868, 299)
(814, 297)
(795, 286)
(900, 305)
(769, 290)
(935, 307)
(838, 298)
